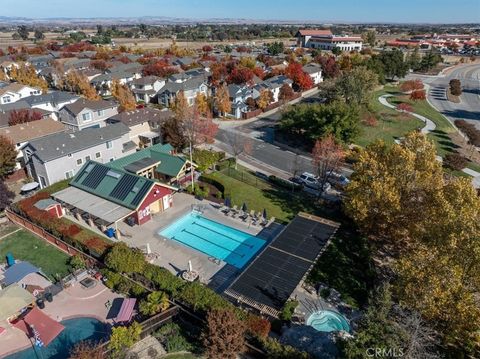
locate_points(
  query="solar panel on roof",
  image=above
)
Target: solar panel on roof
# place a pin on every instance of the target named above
(143, 191)
(95, 176)
(123, 187)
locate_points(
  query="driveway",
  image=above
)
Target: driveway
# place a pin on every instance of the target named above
(469, 107)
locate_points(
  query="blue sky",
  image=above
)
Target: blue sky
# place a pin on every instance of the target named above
(447, 11)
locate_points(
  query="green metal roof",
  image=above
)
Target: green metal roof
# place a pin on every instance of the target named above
(170, 165)
(115, 185)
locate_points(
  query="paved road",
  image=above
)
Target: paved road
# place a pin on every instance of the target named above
(469, 108)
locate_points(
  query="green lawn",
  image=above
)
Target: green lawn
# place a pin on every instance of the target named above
(391, 124)
(258, 194)
(346, 266)
(441, 135)
(56, 186)
(27, 247)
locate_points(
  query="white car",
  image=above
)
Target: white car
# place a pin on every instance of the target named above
(339, 179)
(312, 181)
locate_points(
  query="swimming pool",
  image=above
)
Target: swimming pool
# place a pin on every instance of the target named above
(76, 330)
(328, 321)
(214, 239)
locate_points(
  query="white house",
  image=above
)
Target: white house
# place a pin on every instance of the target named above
(60, 156)
(273, 84)
(85, 113)
(14, 92)
(52, 102)
(146, 87)
(314, 71)
(190, 87)
(238, 97)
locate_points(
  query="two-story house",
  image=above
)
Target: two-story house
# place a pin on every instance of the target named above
(52, 102)
(22, 134)
(14, 92)
(238, 96)
(60, 156)
(190, 87)
(273, 84)
(103, 83)
(145, 88)
(314, 71)
(85, 113)
(144, 124)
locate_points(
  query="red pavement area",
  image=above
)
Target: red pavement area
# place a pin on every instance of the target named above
(46, 326)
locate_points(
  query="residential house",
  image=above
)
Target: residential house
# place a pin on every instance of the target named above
(144, 124)
(15, 91)
(238, 96)
(146, 87)
(190, 86)
(103, 83)
(52, 102)
(158, 162)
(60, 156)
(314, 71)
(273, 84)
(85, 113)
(23, 133)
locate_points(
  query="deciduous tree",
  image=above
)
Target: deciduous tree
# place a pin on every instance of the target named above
(201, 104)
(418, 95)
(327, 157)
(124, 96)
(393, 63)
(301, 80)
(265, 98)
(6, 196)
(240, 75)
(329, 65)
(286, 93)
(123, 338)
(23, 116)
(172, 133)
(180, 107)
(26, 74)
(222, 100)
(8, 157)
(355, 86)
(455, 87)
(224, 335)
(78, 83)
(86, 350)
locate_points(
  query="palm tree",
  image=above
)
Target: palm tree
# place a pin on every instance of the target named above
(154, 303)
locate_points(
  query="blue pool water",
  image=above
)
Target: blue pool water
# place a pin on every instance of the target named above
(328, 321)
(75, 330)
(214, 239)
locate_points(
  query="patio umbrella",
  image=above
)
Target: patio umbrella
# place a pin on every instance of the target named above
(29, 186)
(149, 251)
(244, 207)
(36, 336)
(264, 214)
(227, 202)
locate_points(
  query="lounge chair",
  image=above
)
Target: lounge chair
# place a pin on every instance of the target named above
(243, 216)
(270, 221)
(234, 211)
(225, 209)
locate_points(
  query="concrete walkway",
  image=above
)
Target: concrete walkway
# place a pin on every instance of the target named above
(429, 127)
(429, 124)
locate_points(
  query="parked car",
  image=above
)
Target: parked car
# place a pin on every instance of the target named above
(311, 181)
(338, 179)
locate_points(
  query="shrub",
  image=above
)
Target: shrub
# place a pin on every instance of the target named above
(154, 303)
(275, 349)
(177, 343)
(77, 262)
(325, 293)
(455, 87)
(258, 326)
(280, 182)
(205, 159)
(404, 107)
(213, 182)
(411, 85)
(370, 121)
(418, 95)
(455, 161)
(124, 259)
(288, 310)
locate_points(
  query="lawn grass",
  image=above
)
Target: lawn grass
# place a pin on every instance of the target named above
(57, 186)
(346, 266)
(27, 247)
(258, 194)
(391, 124)
(441, 134)
(6, 229)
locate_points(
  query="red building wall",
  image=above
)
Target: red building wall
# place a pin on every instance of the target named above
(156, 193)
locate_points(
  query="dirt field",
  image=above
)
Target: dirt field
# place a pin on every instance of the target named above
(163, 43)
(6, 39)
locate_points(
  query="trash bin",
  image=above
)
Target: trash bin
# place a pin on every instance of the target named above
(110, 232)
(40, 303)
(49, 297)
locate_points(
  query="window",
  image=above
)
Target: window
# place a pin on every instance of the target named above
(112, 159)
(87, 117)
(98, 155)
(6, 99)
(43, 183)
(69, 155)
(69, 174)
(109, 144)
(100, 113)
(79, 162)
(88, 158)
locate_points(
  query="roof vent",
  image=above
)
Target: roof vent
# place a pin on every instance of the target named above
(58, 149)
(114, 174)
(72, 135)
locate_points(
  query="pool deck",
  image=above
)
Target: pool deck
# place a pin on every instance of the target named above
(72, 302)
(175, 256)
